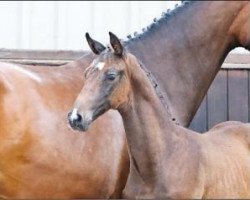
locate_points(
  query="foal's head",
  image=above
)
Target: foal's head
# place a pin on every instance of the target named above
(107, 83)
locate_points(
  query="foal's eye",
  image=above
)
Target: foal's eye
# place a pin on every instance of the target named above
(111, 76)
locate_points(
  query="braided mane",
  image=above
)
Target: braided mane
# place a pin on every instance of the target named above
(165, 16)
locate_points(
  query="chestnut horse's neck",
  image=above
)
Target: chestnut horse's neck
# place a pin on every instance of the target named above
(185, 51)
(146, 122)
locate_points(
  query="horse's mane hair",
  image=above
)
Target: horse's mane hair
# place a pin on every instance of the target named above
(164, 18)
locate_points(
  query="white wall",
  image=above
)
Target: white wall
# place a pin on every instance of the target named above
(62, 24)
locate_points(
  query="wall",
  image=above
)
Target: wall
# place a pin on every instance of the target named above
(62, 24)
(228, 98)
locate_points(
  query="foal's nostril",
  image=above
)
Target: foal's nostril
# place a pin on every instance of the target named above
(74, 118)
(78, 117)
(76, 121)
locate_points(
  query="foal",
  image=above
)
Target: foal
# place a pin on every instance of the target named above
(167, 160)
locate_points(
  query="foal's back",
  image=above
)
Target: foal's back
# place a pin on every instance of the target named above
(215, 164)
(226, 160)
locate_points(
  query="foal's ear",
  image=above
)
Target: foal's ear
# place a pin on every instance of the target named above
(116, 44)
(95, 46)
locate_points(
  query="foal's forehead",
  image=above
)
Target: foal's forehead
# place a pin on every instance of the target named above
(99, 65)
(106, 61)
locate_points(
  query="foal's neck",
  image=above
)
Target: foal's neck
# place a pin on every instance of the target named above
(150, 133)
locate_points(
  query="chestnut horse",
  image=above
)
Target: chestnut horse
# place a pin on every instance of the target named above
(41, 157)
(167, 160)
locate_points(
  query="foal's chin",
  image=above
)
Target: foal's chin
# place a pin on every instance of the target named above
(83, 126)
(87, 119)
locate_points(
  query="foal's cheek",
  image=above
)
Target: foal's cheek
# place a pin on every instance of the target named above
(118, 97)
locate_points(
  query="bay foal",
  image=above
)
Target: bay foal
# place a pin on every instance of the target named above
(167, 160)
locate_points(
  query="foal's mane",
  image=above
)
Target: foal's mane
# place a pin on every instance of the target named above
(156, 87)
(165, 17)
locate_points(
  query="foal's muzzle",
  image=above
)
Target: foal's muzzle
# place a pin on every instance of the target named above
(78, 122)
(75, 122)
